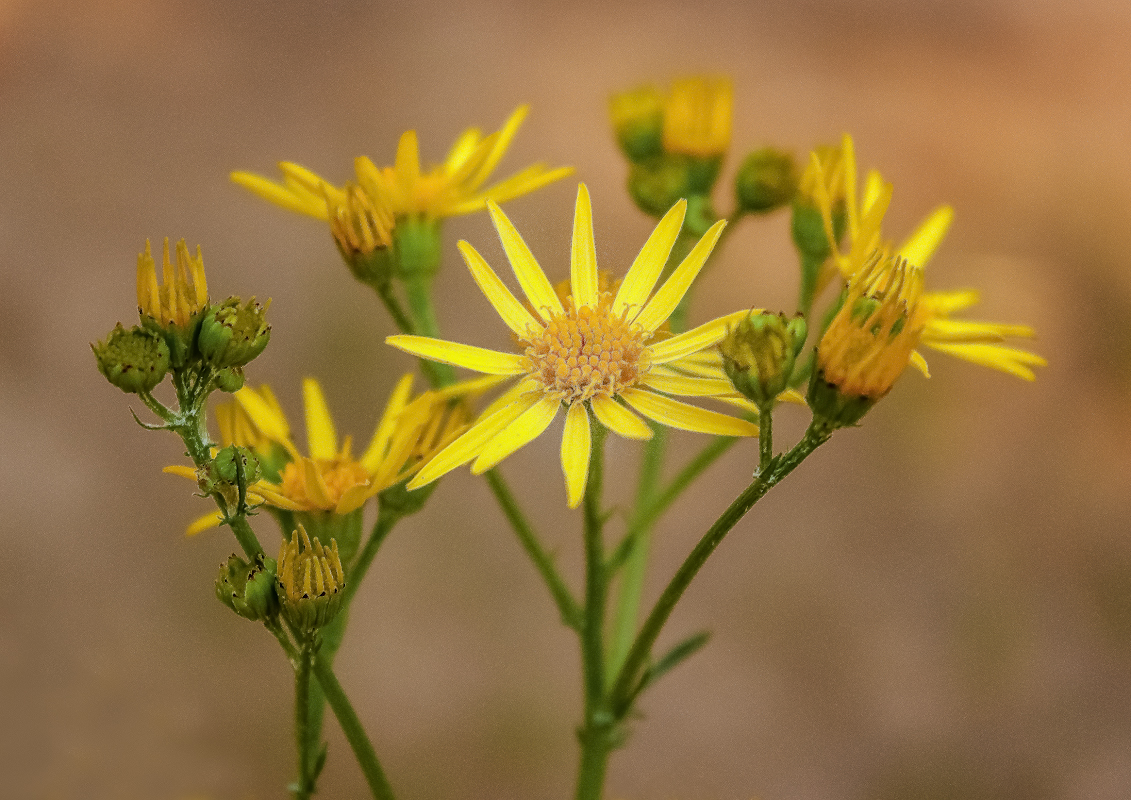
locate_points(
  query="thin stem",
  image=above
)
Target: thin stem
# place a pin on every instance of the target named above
(598, 735)
(303, 787)
(807, 292)
(386, 519)
(623, 691)
(663, 499)
(765, 436)
(418, 290)
(638, 538)
(353, 730)
(244, 534)
(393, 306)
(563, 598)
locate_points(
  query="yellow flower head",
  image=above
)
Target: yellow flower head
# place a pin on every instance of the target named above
(182, 293)
(978, 342)
(330, 478)
(698, 115)
(870, 341)
(596, 355)
(449, 189)
(311, 578)
(359, 225)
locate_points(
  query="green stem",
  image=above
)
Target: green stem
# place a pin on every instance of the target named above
(303, 787)
(353, 730)
(624, 690)
(246, 537)
(598, 734)
(638, 538)
(386, 519)
(563, 598)
(810, 271)
(393, 306)
(765, 436)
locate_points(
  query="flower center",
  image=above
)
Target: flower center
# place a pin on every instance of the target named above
(338, 474)
(587, 351)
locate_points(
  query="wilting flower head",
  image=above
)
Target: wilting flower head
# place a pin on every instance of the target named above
(979, 342)
(330, 478)
(595, 356)
(405, 189)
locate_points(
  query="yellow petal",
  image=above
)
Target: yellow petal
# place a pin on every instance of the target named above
(471, 443)
(264, 414)
(314, 484)
(665, 300)
(373, 455)
(526, 428)
(1006, 359)
(690, 387)
(408, 163)
(502, 141)
(923, 243)
(286, 197)
(355, 497)
(696, 339)
(321, 439)
(619, 419)
(530, 276)
(460, 355)
(577, 446)
(687, 417)
(202, 524)
(645, 270)
(514, 314)
(181, 471)
(961, 330)
(583, 255)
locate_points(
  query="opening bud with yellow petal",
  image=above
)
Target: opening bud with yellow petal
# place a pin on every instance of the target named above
(638, 121)
(869, 342)
(766, 181)
(232, 335)
(698, 116)
(174, 307)
(135, 360)
(363, 231)
(759, 353)
(310, 581)
(248, 588)
(824, 180)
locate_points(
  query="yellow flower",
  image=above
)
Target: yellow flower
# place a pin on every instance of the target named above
(330, 478)
(449, 189)
(979, 342)
(595, 355)
(698, 115)
(183, 291)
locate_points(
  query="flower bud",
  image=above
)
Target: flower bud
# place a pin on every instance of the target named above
(759, 354)
(248, 588)
(229, 380)
(135, 360)
(310, 581)
(767, 180)
(362, 229)
(638, 121)
(232, 335)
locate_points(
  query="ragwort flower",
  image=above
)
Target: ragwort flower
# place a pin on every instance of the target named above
(979, 342)
(330, 478)
(596, 355)
(405, 189)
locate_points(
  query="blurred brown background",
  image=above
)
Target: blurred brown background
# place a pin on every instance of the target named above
(938, 605)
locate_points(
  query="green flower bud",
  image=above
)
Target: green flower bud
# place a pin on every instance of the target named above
(310, 581)
(232, 335)
(135, 360)
(248, 588)
(638, 121)
(232, 460)
(657, 185)
(759, 354)
(229, 380)
(808, 230)
(767, 180)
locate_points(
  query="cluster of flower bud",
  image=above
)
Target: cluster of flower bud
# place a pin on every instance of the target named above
(180, 330)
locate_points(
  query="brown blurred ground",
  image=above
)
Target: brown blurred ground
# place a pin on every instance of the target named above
(936, 606)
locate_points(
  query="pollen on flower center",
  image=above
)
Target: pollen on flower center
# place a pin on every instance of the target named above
(587, 351)
(338, 475)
